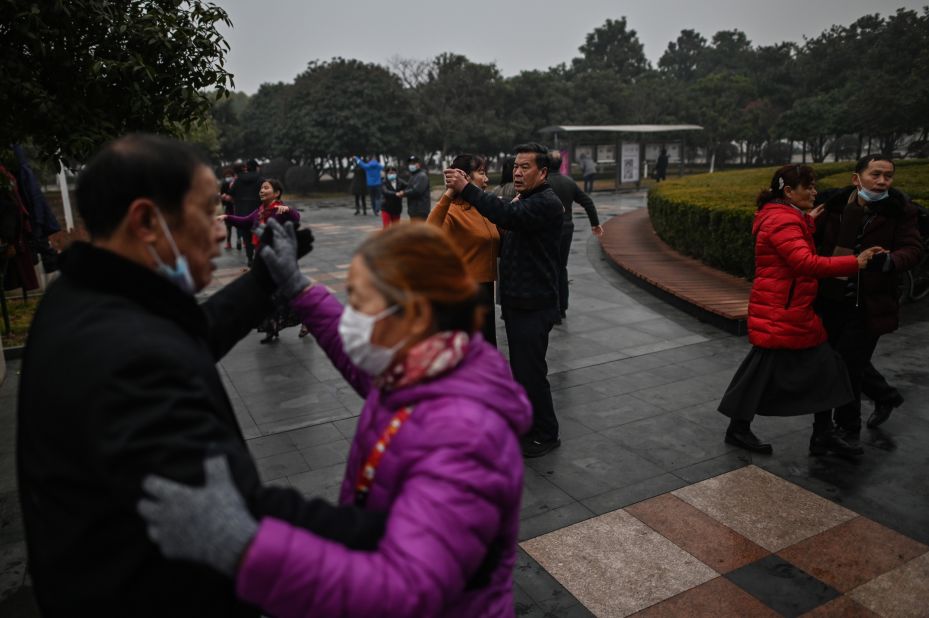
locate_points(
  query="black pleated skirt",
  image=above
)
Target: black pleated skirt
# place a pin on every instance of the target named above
(787, 383)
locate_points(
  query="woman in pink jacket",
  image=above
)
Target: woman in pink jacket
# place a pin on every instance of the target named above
(436, 448)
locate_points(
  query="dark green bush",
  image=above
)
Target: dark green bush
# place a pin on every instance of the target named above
(300, 179)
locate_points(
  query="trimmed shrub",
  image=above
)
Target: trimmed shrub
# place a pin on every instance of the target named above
(709, 216)
(300, 179)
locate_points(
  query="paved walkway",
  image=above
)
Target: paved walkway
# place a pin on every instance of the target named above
(643, 506)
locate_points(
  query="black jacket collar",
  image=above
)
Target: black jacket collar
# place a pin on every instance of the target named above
(108, 272)
(542, 187)
(891, 206)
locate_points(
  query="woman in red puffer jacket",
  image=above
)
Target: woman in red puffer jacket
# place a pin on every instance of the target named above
(791, 369)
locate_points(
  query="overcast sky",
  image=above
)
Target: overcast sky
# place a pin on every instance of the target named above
(273, 40)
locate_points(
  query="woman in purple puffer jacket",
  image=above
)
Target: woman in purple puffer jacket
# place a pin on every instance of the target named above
(436, 448)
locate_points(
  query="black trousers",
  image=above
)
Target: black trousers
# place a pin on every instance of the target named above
(527, 336)
(376, 193)
(360, 203)
(564, 250)
(589, 183)
(875, 387)
(489, 329)
(849, 336)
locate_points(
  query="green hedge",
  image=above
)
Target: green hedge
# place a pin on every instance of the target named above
(709, 216)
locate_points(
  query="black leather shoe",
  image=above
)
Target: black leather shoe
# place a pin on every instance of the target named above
(744, 438)
(882, 410)
(850, 435)
(534, 447)
(825, 443)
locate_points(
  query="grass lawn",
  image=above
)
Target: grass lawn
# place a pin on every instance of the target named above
(20, 319)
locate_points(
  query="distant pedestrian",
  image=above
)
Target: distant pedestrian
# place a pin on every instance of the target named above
(588, 171)
(791, 369)
(661, 166)
(245, 199)
(225, 197)
(569, 193)
(417, 192)
(505, 189)
(529, 264)
(372, 167)
(474, 235)
(360, 190)
(393, 205)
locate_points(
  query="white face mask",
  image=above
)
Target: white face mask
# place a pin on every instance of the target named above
(355, 329)
(179, 274)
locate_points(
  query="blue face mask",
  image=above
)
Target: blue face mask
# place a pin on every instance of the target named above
(413, 168)
(871, 196)
(391, 176)
(179, 274)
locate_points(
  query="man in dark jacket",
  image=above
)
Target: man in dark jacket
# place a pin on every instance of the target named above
(119, 382)
(529, 264)
(418, 200)
(245, 199)
(856, 311)
(569, 194)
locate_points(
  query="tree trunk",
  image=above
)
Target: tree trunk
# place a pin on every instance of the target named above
(803, 160)
(860, 146)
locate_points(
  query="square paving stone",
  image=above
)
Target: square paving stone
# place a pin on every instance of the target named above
(631, 494)
(842, 607)
(903, 592)
(853, 553)
(718, 598)
(590, 465)
(281, 465)
(782, 586)
(616, 565)
(717, 546)
(540, 495)
(669, 441)
(324, 455)
(764, 508)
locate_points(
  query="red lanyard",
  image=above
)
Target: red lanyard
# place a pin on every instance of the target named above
(366, 475)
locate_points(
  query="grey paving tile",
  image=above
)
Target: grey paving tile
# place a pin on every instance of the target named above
(323, 455)
(681, 394)
(610, 412)
(280, 465)
(631, 494)
(266, 446)
(540, 495)
(670, 441)
(591, 465)
(323, 483)
(347, 426)
(311, 436)
(732, 460)
(552, 520)
(538, 586)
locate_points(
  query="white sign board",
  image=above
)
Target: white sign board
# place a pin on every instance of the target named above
(630, 163)
(583, 150)
(606, 154)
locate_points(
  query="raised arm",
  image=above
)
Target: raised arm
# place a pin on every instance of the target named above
(789, 242)
(516, 215)
(588, 205)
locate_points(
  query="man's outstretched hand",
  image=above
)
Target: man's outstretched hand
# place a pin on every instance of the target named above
(455, 179)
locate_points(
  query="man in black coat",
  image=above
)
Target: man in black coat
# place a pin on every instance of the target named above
(245, 200)
(569, 194)
(119, 382)
(529, 265)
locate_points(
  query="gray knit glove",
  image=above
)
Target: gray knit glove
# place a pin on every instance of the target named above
(280, 256)
(208, 525)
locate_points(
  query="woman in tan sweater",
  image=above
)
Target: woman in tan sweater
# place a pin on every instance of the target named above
(476, 237)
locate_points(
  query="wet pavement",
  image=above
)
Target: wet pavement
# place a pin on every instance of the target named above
(635, 384)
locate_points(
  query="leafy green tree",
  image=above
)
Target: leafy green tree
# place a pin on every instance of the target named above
(684, 59)
(613, 47)
(79, 73)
